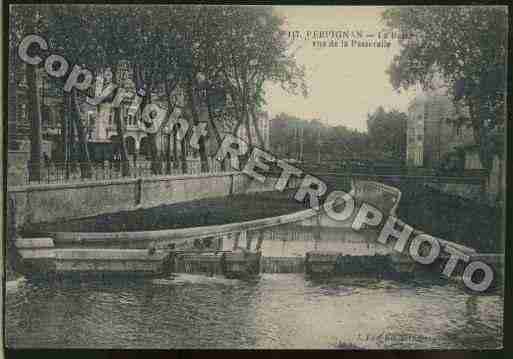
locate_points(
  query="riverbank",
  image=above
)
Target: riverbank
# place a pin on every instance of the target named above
(446, 216)
(452, 218)
(205, 212)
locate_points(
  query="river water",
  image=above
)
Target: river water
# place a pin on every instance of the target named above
(273, 311)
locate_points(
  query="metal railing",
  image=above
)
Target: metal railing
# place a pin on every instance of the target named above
(379, 169)
(74, 171)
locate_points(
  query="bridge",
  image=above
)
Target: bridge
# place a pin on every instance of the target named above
(341, 177)
(397, 174)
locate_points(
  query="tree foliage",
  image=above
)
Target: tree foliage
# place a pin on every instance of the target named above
(387, 132)
(333, 142)
(466, 46)
(220, 56)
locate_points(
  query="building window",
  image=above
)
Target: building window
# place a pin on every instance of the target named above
(458, 131)
(123, 71)
(23, 111)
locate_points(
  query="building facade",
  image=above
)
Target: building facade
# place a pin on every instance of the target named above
(98, 121)
(19, 126)
(433, 134)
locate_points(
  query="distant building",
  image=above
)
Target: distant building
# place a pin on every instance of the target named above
(433, 135)
(100, 119)
(19, 129)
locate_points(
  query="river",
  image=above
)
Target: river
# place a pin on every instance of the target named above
(273, 311)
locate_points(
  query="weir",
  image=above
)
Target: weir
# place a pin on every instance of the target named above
(307, 241)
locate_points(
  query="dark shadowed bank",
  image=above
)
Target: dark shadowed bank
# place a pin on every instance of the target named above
(205, 212)
(440, 214)
(453, 218)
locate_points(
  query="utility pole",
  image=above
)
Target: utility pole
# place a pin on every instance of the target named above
(319, 145)
(296, 143)
(301, 142)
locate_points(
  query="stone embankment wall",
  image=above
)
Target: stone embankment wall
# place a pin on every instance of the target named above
(53, 202)
(492, 193)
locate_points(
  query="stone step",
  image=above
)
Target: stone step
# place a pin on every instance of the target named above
(108, 254)
(26, 243)
(45, 252)
(37, 253)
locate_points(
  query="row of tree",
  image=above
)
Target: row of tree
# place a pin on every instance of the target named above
(226, 53)
(387, 132)
(311, 140)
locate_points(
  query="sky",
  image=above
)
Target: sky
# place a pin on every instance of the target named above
(345, 83)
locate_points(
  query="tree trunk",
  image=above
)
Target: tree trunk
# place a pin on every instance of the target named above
(85, 165)
(175, 148)
(71, 136)
(479, 131)
(245, 118)
(120, 138)
(215, 130)
(155, 158)
(66, 132)
(171, 107)
(168, 153)
(125, 166)
(13, 113)
(260, 139)
(183, 150)
(36, 138)
(195, 120)
(238, 111)
(156, 163)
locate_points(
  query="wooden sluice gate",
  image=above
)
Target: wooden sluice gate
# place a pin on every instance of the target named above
(282, 265)
(192, 263)
(237, 262)
(241, 264)
(227, 263)
(336, 263)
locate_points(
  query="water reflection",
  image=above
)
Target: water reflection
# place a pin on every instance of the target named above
(275, 311)
(272, 311)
